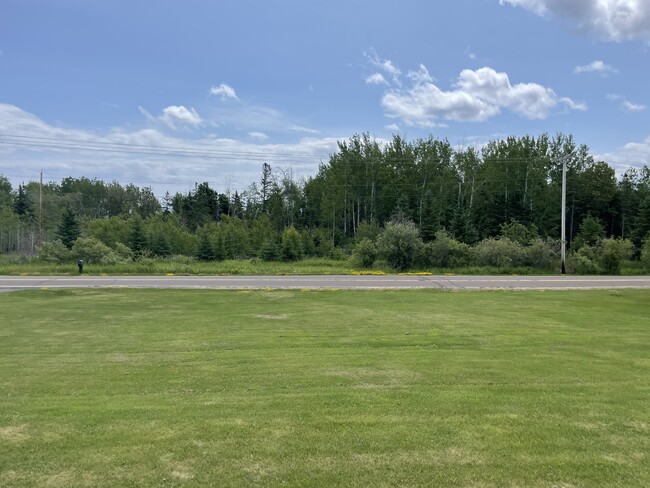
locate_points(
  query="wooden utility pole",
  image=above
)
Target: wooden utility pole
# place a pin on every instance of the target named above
(40, 210)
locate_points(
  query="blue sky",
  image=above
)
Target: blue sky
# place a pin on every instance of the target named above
(168, 93)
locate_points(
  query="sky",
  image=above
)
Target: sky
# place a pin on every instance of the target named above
(169, 93)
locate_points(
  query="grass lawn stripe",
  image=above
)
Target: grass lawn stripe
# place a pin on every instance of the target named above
(325, 388)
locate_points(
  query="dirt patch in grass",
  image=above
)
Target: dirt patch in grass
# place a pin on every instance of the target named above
(14, 433)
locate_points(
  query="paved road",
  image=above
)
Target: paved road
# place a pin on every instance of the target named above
(8, 283)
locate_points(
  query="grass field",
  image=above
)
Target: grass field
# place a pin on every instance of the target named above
(335, 388)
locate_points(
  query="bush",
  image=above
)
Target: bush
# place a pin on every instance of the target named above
(364, 254)
(584, 261)
(291, 244)
(645, 253)
(399, 244)
(612, 254)
(447, 252)
(270, 250)
(541, 254)
(502, 253)
(93, 251)
(55, 252)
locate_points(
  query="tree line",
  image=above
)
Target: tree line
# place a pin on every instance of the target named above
(466, 194)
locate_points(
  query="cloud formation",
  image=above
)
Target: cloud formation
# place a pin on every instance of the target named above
(609, 20)
(477, 95)
(177, 114)
(224, 91)
(146, 157)
(633, 154)
(626, 105)
(595, 67)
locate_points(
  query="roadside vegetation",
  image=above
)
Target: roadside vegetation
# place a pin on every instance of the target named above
(104, 388)
(402, 206)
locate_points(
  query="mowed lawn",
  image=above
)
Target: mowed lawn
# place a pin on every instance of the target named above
(335, 388)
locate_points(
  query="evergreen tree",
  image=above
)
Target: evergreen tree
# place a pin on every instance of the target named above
(68, 230)
(291, 244)
(137, 239)
(22, 204)
(206, 249)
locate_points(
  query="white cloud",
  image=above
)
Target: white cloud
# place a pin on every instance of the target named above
(224, 91)
(376, 79)
(573, 105)
(625, 103)
(145, 157)
(470, 54)
(632, 107)
(610, 20)
(477, 96)
(175, 114)
(385, 65)
(258, 136)
(633, 154)
(595, 67)
(393, 127)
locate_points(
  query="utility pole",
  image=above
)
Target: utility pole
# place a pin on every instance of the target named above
(563, 238)
(563, 159)
(40, 209)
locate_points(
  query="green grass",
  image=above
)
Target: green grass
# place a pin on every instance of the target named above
(333, 388)
(183, 266)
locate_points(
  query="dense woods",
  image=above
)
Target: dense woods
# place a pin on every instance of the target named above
(507, 192)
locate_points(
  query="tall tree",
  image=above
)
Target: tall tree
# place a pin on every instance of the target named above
(69, 230)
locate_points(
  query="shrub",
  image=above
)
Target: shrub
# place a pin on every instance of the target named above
(399, 244)
(590, 233)
(541, 254)
(270, 250)
(291, 244)
(502, 253)
(55, 252)
(584, 261)
(447, 252)
(364, 254)
(519, 233)
(645, 253)
(612, 254)
(93, 251)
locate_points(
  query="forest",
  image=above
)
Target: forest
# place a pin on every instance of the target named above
(409, 204)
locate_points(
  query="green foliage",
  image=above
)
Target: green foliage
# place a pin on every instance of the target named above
(206, 248)
(542, 254)
(645, 253)
(399, 244)
(365, 253)
(137, 238)
(94, 251)
(110, 230)
(55, 252)
(447, 252)
(590, 234)
(519, 233)
(613, 252)
(585, 261)
(367, 230)
(291, 244)
(502, 253)
(69, 229)
(270, 250)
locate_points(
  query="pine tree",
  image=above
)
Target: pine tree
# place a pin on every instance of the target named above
(68, 230)
(206, 250)
(137, 241)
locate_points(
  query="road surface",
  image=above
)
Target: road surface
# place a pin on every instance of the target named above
(9, 283)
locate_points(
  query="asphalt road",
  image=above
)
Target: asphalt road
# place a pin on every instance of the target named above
(9, 283)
